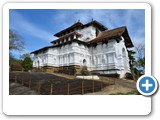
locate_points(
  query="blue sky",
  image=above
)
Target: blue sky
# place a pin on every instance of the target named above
(37, 26)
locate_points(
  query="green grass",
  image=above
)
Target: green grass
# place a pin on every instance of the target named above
(135, 92)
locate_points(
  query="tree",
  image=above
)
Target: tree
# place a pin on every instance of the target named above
(15, 64)
(140, 57)
(137, 60)
(27, 63)
(15, 41)
(132, 59)
(22, 57)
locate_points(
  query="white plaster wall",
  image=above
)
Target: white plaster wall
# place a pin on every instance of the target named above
(88, 33)
(80, 52)
(122, 65)
(71, 54)
(102, 57)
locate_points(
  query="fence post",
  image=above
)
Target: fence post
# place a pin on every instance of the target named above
(22, 81)
(29, 83)
(114, 81)
(51, 88)
(93, 86)
(39, 87)
(101, 84)
(82, 87)
(15, 79)
(68, 88)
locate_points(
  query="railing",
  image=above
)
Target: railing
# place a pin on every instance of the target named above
(61, 87)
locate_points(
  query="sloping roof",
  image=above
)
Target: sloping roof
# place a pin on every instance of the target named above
(68, 35)
(45, 48)
(114, 34)
(79, 24)
(102, 37)
(76, 25)
(97, 24)
(42, 49)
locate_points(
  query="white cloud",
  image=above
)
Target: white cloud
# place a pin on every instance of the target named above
(18, 22)
(85, 16)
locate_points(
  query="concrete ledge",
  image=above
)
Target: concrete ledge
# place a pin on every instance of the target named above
(95, 77)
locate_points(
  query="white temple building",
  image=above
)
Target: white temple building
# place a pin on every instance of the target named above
(93, 45)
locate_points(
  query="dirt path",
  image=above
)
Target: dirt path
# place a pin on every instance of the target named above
(121, 86)
(18, 89)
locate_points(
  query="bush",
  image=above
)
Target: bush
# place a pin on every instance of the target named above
(27, 63)
(84, 71)
(128, 76)
(72, 71)
(65, 70)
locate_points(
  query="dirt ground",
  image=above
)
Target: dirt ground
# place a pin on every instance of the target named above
(18, 89)
(120, 86)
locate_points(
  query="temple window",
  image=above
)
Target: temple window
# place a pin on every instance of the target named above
(72, 37)
(67, 39)
(97, 32)
(76, 36)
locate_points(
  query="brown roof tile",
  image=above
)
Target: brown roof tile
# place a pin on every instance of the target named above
(68, 35)
(79, 24)
(114, 34)
(52, 46)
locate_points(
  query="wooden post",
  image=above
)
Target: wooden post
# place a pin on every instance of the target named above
(93, 86)
(101, 84)
(114, 81)
(51, 88)
(39, 87)
(68, 88)
(82, 87)
(29, 84)
(15, 79)
(22, 81)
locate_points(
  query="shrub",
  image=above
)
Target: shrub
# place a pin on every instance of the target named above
(27, 63)
(72, 71)
(84, 71)
(128, 76)
(65, 70)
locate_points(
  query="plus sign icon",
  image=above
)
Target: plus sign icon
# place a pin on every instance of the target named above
(147, 85)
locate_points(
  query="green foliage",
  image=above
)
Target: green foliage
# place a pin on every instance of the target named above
(142, 62)
(15, 43)
(140, 57)
(137, 60)
(132, 59)
(27, 63)
(15, 64)
(129, 76)
(84, 71)
(67, 70)
(22, 57)
(135, 92)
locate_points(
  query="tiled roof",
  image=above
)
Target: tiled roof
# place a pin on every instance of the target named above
(68, 35)
(113, 34)
(76, 25)
(45, 48)
(79, 24)
(102, 37)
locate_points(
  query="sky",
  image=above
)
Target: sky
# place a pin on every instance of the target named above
(37, 26)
